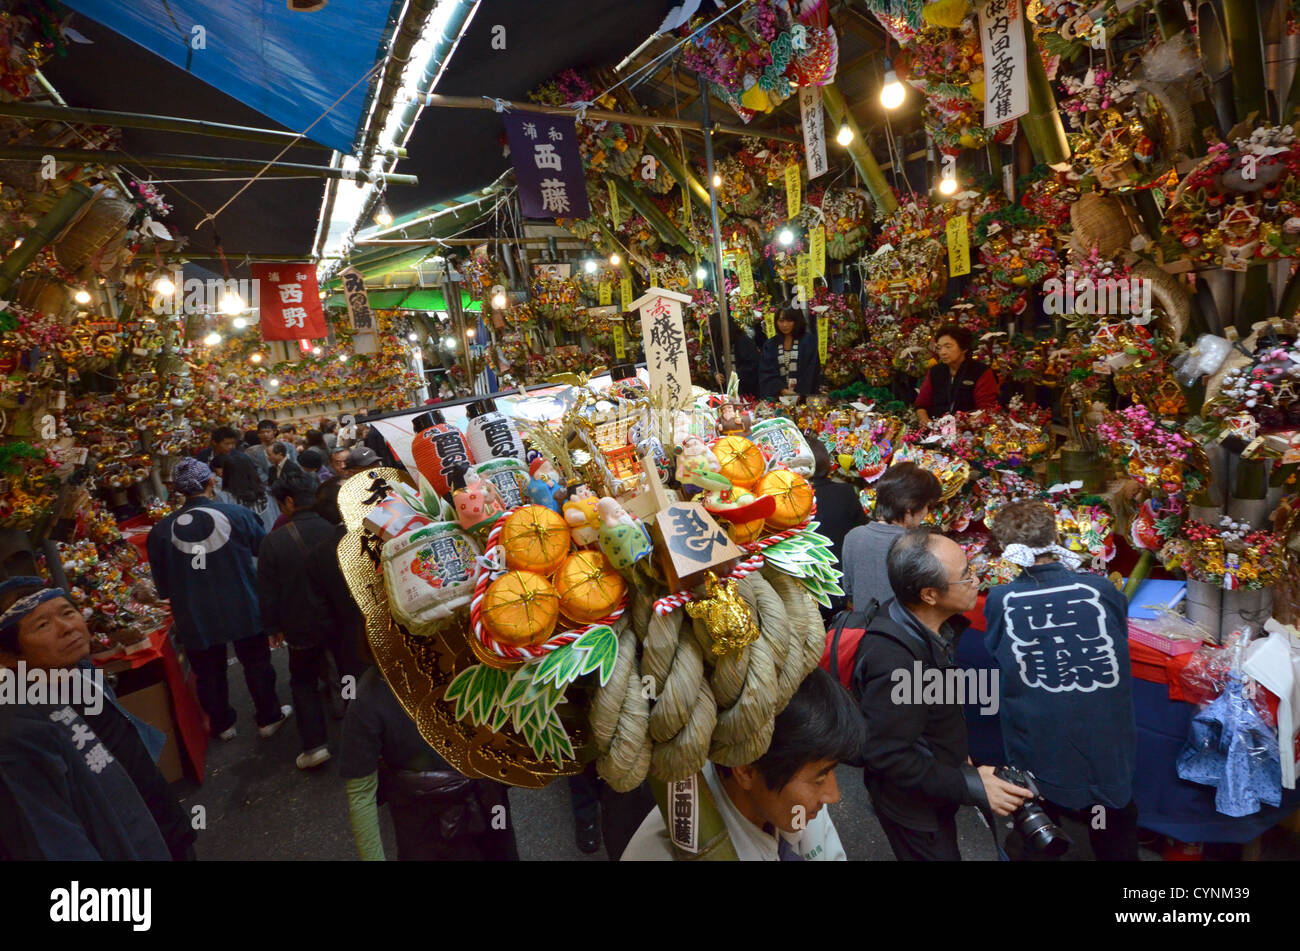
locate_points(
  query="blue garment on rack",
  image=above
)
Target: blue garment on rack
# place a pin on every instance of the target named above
(1230, 747)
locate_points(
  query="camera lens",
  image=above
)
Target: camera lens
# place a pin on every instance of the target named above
(1040, 832)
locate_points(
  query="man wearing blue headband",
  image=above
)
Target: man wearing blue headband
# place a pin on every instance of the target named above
(202, 558)
(78, 774)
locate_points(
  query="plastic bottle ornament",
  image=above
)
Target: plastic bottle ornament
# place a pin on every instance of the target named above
(781, 439)
(520, 609)
(793, 495)
(739, 460)
(429, 574)
(534, 538)
(589, 587)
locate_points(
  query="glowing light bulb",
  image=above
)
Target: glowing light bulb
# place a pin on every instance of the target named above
(383, 216)
(343, 358)
(786, 237)
(590, 266)
(449, 342)
(499, 301)
(231, 303)
(947, 186)
(469, 332)
(82, 296)
(412, 337)
(615, 260)
(212, 339)
(164, 286)
(700, 273)
(239, 323)
(717, 181)
(892, 92)
(273, 382)
(255, 358)
(845, 135)
(316, 351)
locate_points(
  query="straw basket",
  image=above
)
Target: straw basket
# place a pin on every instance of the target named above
(101, 219)
(1172, 114)
(43, 295)
(1099, 221)
(1172, 296)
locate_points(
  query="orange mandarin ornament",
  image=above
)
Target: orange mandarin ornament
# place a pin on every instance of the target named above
(535, 538)
(793, 495)
(739, 460)
(520, 609)
(589, 587)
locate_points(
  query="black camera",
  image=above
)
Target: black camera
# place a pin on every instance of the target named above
(1035, 826)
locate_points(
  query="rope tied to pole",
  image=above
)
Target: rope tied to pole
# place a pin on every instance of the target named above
(498, 105)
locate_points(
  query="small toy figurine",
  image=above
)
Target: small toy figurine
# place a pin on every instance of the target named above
(698, 467)
(580, 513)
(623, 539)
(478, 503)
(544, 484)
(733, 420)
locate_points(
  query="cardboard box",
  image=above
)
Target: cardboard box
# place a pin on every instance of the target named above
(153, 706)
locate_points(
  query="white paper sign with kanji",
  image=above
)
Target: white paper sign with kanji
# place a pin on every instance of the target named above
(664, 337)
(1006, 73)
(814, 130)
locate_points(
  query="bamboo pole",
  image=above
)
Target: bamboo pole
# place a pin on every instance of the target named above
(1042, 124)
(651, 213)
(719, 283)
(660, 150)
(42, 234)
(872, 175)
(436, 100)
(1246, 54)
(35, 153)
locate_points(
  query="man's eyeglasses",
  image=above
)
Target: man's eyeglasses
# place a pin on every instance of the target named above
(969, 577)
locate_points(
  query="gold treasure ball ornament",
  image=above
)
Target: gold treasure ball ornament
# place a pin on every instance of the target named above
(726, 616)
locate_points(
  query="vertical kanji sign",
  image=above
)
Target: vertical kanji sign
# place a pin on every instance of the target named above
(664, 339)
(289, 302)
(1006, 76)
(544, 150)
(366, 339)
(814, 130)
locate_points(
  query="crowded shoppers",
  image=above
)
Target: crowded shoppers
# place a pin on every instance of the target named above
(904, 496)
(202, 559)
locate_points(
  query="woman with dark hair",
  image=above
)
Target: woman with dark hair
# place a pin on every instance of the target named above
(315, 439)
(242, 484)
(838, 508)
(790, 366)
(956, 384)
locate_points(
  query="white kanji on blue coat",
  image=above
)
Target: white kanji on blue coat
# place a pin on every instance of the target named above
(1059, 638)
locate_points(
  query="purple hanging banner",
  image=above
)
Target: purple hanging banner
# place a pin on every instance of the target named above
(544, 150)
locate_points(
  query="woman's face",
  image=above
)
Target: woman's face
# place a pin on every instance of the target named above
(54, 635)
(948, 350)
(785, 324)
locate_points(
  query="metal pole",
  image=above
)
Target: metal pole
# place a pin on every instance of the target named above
(666, 122)
(45, 231)
(32, 153)
(719, 285)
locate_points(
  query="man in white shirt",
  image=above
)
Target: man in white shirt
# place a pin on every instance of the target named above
(772, 809)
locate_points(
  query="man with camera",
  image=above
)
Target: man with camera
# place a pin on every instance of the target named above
(918, 771)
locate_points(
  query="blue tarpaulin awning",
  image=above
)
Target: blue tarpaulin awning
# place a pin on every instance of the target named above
(290, 66)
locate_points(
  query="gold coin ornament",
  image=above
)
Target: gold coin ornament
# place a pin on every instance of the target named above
(739, 460)
(520, 609)
(535, 538)
(793, 495)
(589, 587)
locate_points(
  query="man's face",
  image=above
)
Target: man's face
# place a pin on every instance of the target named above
(54, 635)
(275, 457)
(266, 436)
(796, 804)
(226, 446)
(340, 460)
(963, 587)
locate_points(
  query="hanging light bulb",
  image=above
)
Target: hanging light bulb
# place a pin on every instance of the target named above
(892, 92)
(845, 135)
(449, 342)
(499, 300)
(239, 323)
(343, 358)
(231, 303)
(212, 339)
(255, 358)
(315, 351)
(947, 185)
(383, 217)
(82, 296)
(164, 286)
(469, 332)
(701, 273)
(717, 180)
(786, 237)
(590, 266)
(412, 337)
(322, 295)
(273, 381)
(615, 260)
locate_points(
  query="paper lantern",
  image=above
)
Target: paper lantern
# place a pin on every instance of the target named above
(535, 538)
(520, 609)
(588, 586)
(739, 460)
(793, 495)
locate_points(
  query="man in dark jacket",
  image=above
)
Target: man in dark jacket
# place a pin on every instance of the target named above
(918, 770)
(1060, 637)
(277, 454)
(202, 559)
(292, 608)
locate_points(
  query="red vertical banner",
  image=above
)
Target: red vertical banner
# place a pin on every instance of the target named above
(289, 302)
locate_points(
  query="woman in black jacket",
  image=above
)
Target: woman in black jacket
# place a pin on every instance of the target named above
(790, 365)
